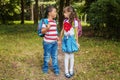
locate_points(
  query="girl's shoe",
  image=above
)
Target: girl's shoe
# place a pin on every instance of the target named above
(71, 73)
(67, 75)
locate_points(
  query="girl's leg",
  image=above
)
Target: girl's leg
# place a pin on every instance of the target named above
(66, 62)
(71, 63)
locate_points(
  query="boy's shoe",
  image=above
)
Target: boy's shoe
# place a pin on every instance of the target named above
(71, 73)
(57, 73)
(45, 72)
(67, 75)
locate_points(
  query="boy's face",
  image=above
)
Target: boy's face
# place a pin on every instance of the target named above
(53, 13)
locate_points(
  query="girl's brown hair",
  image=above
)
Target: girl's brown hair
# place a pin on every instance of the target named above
(73, 14)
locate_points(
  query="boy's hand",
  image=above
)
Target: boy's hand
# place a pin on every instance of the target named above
(59, 41)
(48, 26)
(58, 38)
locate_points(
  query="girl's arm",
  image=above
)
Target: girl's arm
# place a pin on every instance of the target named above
(76, 30)
(60, 37)
(76, 34)
(44, 30)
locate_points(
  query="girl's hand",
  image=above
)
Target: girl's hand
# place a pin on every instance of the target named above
(78, 45)
(59, 41)
(59, 44)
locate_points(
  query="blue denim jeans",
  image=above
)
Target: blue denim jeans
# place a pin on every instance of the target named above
(50, 50)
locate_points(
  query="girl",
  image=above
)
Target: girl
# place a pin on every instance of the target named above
(50, 40)
(70, 39)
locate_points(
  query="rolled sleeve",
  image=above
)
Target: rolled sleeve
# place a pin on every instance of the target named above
(76, 23)
(43, 26)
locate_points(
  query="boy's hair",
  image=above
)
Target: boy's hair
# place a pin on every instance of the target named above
(73, 14)
(48, 9)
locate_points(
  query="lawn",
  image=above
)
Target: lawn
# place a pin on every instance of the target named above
(21, 56)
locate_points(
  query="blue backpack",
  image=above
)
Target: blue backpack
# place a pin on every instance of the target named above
(41, 22)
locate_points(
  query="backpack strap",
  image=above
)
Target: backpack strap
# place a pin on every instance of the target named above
(73, 24)
(41, 22)
(45, 21)
(79, 27)
(65, 20)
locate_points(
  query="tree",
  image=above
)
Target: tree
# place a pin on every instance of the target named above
(9, 9)
(87, 5)
(22, 11)
(104, 17)
(67, 2)
(61, 5)
(36, 12)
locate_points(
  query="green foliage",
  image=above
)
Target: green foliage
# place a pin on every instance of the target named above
(79, 7)
(87, 5)
(9, 10)
(104, 17)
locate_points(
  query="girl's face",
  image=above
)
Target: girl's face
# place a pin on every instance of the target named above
(53, 13)
(67, 14)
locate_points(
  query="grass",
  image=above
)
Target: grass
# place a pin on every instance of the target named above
(21, 56)
(26, 22)
(99, 59)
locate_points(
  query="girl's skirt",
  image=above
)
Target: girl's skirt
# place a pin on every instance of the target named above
(69, 44)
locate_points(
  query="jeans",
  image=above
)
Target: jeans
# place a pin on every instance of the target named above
(50, 50)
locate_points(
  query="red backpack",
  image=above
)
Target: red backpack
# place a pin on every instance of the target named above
(79, 27)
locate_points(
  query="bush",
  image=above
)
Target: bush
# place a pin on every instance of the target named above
(104, 17)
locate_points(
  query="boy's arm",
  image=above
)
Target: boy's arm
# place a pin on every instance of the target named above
(61, 34)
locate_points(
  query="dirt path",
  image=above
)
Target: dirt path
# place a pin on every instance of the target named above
(51, 75)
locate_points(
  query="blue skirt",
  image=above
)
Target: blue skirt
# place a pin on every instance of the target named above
(69, 44)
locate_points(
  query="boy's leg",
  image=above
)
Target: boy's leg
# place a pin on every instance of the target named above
(47, 48)
(54, 55)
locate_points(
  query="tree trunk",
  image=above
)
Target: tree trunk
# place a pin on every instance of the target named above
(22, 11)
(32, 12)
(36, 12)
(67, 2)
(3, 20)
(87, 4)
(41, 11)
(61, 17)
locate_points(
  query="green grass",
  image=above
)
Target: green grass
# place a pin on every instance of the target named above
(26, 22)
(21, 56)
(99, 59)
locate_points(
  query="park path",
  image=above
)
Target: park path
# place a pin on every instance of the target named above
(51, 75)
